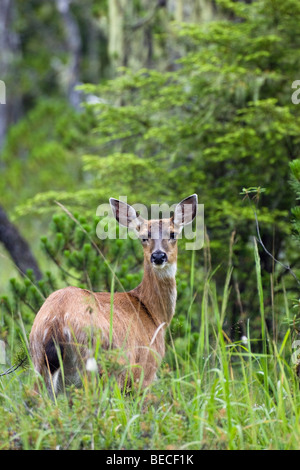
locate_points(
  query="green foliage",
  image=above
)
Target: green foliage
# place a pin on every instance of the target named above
(222, 120)
(46, 142)
(219, 122)
(81, 259)
(223, 396)
(44, 51)
(295, 184)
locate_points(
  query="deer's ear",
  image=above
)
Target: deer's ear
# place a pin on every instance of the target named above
(186, 211)
(125, 214)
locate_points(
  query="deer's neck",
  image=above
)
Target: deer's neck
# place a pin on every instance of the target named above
(158, 293)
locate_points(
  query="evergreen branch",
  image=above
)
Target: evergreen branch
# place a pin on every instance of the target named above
(13, 368)
(24, 275)
(92, 243)
(63, 270)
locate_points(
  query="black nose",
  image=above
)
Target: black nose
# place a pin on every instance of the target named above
(158, 257)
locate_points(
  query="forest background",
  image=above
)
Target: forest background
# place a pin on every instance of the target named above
(156, 100)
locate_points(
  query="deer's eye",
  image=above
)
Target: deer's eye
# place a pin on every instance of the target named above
(172, 236)
(144, 240)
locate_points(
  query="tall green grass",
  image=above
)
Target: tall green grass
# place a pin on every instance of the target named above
(225, 395)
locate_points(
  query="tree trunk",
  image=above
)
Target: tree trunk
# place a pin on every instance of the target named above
(73, 42)
(11, 110)
(17, 247)
(116, 19)
(179, 11)
(192, 11)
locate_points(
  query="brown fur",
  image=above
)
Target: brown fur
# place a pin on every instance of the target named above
(70, 315)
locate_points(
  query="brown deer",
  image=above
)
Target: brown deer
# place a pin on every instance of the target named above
(70, 318)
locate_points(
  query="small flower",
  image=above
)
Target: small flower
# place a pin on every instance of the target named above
(91, 365)
(244, 339)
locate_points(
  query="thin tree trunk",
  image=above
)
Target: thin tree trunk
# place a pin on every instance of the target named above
(179, 11)
(17, 246)
(11, 110)
(116, 43)
(73, 41)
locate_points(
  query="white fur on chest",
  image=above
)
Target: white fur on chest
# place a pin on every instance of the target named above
(166, 271)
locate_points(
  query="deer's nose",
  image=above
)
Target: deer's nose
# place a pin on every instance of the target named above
(158, 257)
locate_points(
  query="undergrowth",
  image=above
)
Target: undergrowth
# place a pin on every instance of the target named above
(223, 395)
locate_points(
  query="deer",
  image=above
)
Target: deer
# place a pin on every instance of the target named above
(71, 317)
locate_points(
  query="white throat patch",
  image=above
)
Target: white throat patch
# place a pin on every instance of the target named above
(166, 270)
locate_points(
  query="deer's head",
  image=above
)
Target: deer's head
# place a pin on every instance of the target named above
(158, 236)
